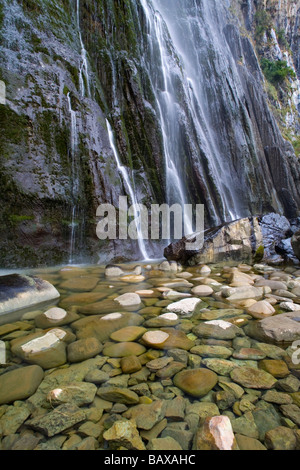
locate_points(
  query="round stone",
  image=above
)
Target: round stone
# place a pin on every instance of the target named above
(56, 313)
(124, 350)
(202, 291)
(154, 338)
(196, 382)
(128, 300)
(83, 349)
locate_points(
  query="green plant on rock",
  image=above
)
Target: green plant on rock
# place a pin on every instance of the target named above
(276, 71)
(263, 23)
(259, 255)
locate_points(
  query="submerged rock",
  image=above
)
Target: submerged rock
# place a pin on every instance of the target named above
(62, 418)
(215, 434)
(283, 328)
(196, 382)
(253, 378)
(124, 433)
(20, 384)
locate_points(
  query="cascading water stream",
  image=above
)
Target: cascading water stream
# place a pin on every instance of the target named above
(84, 68)
(74, 177)
(124, 174)
(173, 40)
(175, 190)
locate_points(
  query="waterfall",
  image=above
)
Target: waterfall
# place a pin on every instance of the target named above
(74, 178)
(164, 94)
(125, 176)
(175, 41)
(84, 68)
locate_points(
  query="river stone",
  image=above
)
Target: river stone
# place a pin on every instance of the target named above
(19, 292)
(55, 317)
(292, 412)
(163, 444)
(280, 438)
(252, 378)
(290, 384)
(249, 354)
(128, 334)
(20, 383)
(118, 395)
(123, 433)
(124, 349)
(279, 398)
(185, 307)
(13, 418)
(248, 443)
(212, 351)
(166, 319)
(97, 377)
(221, 313)
(218, 329)
(132, 278)
(159, 363)
(167, 338)
(78, 393)
(242, 293)
(202, 291)
(83, 349)
(101, 327)
(170, 370)
(238, 279)
(290, 307)
(270, 350)
(283, 328)
(202, 409)
(147, 416)
(80, 284)
(113, 271)
(275, 367)
(274, 285)
(130, 364)
(82, 299)
(47, 351)
(196, 382)
(220, 366)
(62, 418)
(128, 300)
(215, 434)
(261, 309)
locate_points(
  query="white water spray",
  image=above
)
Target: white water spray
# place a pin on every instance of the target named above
(125, 176)
(74, 176)
(84, 68)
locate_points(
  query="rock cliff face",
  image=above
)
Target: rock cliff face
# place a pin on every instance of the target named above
(68, 66)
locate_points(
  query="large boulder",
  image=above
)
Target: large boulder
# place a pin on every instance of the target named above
(244, 239)
(283, 328)
(19, 292)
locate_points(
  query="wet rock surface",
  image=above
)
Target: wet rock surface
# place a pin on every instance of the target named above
(154, 378)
